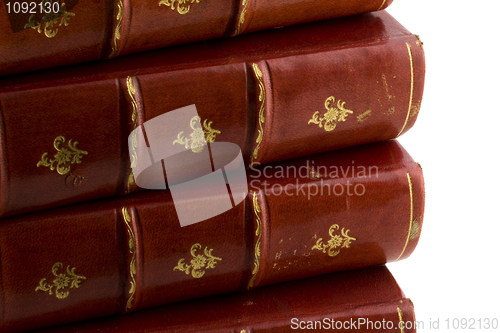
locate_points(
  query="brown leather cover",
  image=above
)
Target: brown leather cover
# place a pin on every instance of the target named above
(278, 94)
(90, 30)
(106, 257)
(358, 301)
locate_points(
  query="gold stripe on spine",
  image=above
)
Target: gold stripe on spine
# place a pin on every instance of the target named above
(411, 215)
(133, 145)
(382, 5)
(241, 19)
(401, 321)
(132, 268)
(262, 99)
(411, 90)
(257, 210)
(117, 34)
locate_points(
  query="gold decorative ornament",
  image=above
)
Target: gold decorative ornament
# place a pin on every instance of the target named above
(132, 267)
(262, 99)
(62, 282)
(50, 20)
(257, 211)
(199, 262)
(241, 20)
(134, 143)
(64, 158)
(199, 136)
(182, 6)
(332, 115)
(117, 34)
(335, 243)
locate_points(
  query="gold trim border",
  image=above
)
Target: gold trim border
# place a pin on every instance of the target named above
(382, 5)
(257, 211)
(262, 99)
(401, 321)
(411, 215)
(117, 34)
(411, 90)
(131, 244)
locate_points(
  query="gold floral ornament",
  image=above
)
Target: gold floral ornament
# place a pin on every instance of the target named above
(199, 136)
(199, 262)
(62, 282)
(64, 158)
(335, 243)
(182, 6)
(50, 20)
(332, 116)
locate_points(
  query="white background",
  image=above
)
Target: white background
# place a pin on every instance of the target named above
(454, 271)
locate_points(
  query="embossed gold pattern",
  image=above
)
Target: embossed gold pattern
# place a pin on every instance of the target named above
(116, 33)
(410, 187)
(132, 267)
(262, 99)
(182, 6)
(199, 136)
(241, 20)
(134, 142)
(62, 282)
(64, 158)
(199, 262)
(258, 232)
(332, 115)
(335, 243)
(50, 20)
(411, 90)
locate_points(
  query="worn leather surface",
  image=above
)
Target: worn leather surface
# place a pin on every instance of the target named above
(370, 294)
(369, 64)
(102, 29)
(141, 257)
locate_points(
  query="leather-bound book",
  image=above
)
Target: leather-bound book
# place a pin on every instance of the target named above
(278, 94)
(363, 300)
(52, 33)
(358, 207)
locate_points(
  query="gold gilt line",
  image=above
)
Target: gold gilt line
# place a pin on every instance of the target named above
(131, 245)
(258, 233)
(411, 89)
(131, 92)
(242, 17)
(262, 99)
(382, 5)
(117, 35)
(401, 321)
(411, 215)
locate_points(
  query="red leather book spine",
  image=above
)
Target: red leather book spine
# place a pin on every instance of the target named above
(63, 135)
(360, 207)
(365, 300)
(82, 30)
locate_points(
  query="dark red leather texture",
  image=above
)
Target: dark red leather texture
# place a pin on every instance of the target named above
(278, 94)
(91, 30)
(357, 301)
(354, 208)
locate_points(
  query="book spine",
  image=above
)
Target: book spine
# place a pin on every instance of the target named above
(84, 31)
(98, 259)
(262, 106)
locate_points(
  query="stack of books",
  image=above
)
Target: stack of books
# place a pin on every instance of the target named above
(312, 108)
